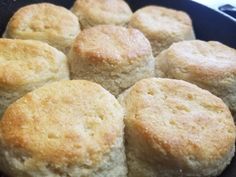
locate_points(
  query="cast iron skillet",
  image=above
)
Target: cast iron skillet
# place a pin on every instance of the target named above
(208, 25)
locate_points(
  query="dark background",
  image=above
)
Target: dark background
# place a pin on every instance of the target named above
(208, 25)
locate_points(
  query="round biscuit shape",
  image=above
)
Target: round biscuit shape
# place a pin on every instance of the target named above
(113, 56)
(210, 65)
(66, 128)
(26, 65)
(162, 26)
(101, 12)
(45, 22)
(174, 128)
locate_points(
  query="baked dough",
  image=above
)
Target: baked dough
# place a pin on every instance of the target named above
(174, 128)
(26, 65)
(162, 26)
(67, 128)
(210, 65)
(101, 12)
(113, 56)
(45, 22)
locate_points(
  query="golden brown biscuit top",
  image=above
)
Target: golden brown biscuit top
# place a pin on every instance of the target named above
(29, 62)
(64, 122)
(201, 59)
(154, 20)
(44, 18)
(112, 44)
(180, 120)
(103, 11)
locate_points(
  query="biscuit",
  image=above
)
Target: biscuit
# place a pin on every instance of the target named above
(45, 22)
(210, 65)
(66, 128)
(173, 129)
(113, 56)
(162, 26)
(26, 65)
(101, 12)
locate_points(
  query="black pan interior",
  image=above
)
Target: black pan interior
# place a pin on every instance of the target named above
(208, 25)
